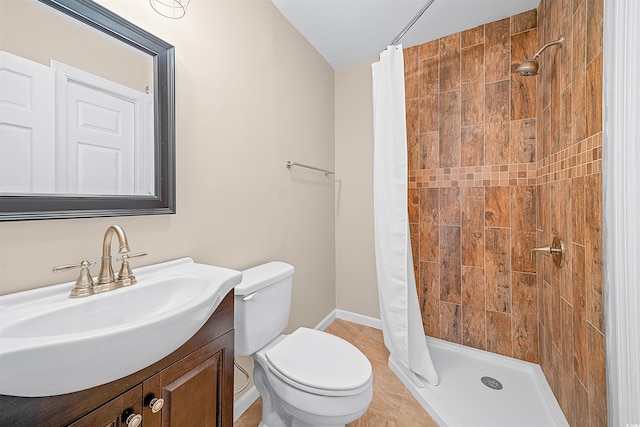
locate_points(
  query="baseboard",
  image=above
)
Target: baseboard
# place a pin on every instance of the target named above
(326, 321)
(247, 399)
(360, 319)
(349, 316)
(244, 402)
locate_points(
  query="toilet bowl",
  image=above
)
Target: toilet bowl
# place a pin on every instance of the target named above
(306, 378)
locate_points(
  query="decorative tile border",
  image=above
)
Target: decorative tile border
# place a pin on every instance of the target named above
(474, 176)
(580, 159)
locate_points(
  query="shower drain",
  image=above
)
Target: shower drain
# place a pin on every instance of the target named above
(491, 383)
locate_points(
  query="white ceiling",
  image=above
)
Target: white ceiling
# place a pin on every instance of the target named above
(349, 31)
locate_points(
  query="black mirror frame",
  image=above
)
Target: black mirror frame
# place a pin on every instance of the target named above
(19, 207)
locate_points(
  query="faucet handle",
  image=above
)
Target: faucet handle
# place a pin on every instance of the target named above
(125, 276)
(126, 257)
(84, 284)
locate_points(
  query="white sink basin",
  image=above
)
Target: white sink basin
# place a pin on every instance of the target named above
(51, 344)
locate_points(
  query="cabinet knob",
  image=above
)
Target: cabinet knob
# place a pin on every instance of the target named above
(156, 404)
(134, 420)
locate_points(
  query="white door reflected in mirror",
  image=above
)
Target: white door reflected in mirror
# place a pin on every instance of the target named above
(70, 94)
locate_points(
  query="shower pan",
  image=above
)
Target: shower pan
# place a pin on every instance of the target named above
(482, 389)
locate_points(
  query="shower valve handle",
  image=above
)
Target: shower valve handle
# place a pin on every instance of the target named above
(544, 250)
(556, 250)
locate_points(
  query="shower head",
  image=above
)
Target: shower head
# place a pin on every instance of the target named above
(529, 67)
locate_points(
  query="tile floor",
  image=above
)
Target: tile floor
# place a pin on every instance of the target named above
(392, 404)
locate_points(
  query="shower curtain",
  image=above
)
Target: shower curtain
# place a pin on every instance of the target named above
(401, 320)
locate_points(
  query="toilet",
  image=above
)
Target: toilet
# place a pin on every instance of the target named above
(307, 378)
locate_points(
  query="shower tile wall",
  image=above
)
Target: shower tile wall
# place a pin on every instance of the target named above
(472, 178)
(499, 164)
(571, 305)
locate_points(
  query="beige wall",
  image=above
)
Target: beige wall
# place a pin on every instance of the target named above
(251, 94)
(356, 284)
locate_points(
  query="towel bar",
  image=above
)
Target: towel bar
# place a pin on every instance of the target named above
(326, 172)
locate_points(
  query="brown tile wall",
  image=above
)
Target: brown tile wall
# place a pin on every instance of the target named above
(498, 164)
(570, 304)
(473, 186)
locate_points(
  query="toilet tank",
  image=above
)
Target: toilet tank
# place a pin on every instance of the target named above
(262, 303)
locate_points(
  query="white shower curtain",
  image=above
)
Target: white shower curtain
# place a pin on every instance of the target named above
(399, 309)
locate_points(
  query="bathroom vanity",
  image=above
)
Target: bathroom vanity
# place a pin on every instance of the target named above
(193, 386)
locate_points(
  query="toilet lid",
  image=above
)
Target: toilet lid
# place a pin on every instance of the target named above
(320, 360)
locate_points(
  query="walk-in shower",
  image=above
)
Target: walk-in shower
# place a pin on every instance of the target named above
(461, 385)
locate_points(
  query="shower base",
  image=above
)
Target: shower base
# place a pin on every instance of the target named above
(463, 399)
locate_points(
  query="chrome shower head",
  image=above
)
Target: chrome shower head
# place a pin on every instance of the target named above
(529, 67)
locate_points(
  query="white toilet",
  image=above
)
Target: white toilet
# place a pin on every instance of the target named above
(306, 378)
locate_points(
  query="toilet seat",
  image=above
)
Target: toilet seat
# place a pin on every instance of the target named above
(320, 363)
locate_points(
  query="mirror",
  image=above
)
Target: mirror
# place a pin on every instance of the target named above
(77, 175)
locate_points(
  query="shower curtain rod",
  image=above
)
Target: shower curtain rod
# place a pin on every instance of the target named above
(410, 24)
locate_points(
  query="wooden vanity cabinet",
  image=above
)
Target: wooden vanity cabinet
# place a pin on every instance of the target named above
(191, 390)
(115, 412)
(195, 383)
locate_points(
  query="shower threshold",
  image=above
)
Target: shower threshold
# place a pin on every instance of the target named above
(513, 393)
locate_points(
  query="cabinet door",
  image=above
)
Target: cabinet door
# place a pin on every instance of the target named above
(194, 389)
(115, 412)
